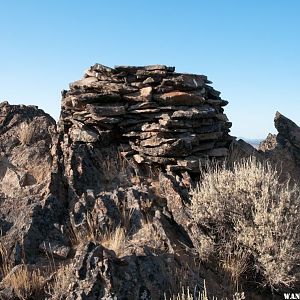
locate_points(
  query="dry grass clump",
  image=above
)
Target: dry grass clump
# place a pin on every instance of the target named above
(26, 133)
(114, 238)
(25, 283)
(247, 208)
(187, 294)
(5, 265)
(63, 278)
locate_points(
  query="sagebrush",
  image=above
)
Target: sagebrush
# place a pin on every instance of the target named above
(250, 214)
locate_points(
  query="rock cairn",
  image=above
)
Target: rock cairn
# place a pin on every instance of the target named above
(154, 114)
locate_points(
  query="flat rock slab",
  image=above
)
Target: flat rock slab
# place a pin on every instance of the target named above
(179, 98)
(143, 95)
(106, 110)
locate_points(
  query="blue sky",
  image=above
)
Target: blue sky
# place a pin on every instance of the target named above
(249, 49)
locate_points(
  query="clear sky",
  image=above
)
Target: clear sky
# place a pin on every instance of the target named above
(249, 49)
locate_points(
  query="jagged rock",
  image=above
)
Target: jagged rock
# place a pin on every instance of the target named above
(269, 143)
(27, 138)
(129, 143)
(285, 151)
(287, 130)
(83, 135)
(240, 150)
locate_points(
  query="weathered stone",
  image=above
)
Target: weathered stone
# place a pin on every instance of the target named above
(157, 74)
(83, 135)
(144, 94)
(83, 83)
(104, 120)
(106, 110)
(269, 143)
(145, 111)
(167, 121)
(156, 141)
(190, 163)
(151, 127)
(287, 129)
(142, 105)
(212, 93)
(138, 158)
(217, 102)
(222, 117)
(217, 152)
(112, 87)
(127, 123)
(179, 98)
(186, 82)
(149, 80)
(138, 84)
(182, 146)
(102, 69)
(127, 69)
(98, 97)
(164, 89)
(55, 249)
(194, 113)
(159, 160)
(159, 67)
(203, 146)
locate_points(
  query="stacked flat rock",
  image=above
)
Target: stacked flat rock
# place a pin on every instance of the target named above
(155, 114)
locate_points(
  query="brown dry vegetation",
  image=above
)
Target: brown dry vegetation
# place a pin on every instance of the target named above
(25, 283)
(5, 265)
(251, 225)
(252, 219)
(26, 133)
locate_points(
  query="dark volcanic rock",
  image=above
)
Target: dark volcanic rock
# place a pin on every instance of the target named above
(284, 149)
(27, 205)
(102, 195)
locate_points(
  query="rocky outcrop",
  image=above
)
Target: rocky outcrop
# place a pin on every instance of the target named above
(27, 216)
(283, 149)
(269, 143)
(129, 140)
(100, 200)
(151, 113)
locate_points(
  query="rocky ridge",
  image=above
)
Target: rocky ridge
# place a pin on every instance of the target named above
(99, 202)
(117, 164)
